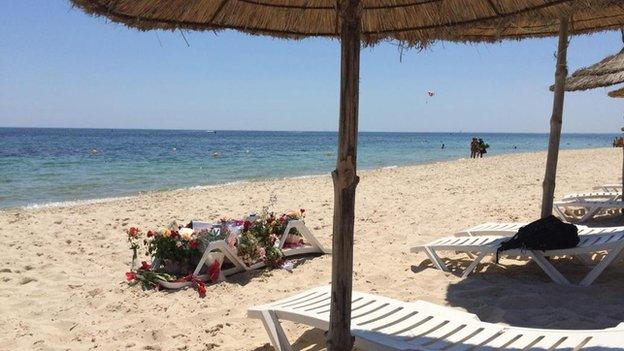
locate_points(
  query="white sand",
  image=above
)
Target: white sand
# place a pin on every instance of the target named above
(62, 269)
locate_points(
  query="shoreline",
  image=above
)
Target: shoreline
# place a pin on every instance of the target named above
(139, 193)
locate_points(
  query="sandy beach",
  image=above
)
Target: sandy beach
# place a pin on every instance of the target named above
(62, 269)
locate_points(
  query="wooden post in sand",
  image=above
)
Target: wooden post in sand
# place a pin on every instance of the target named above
(345, 178)
(555, 120)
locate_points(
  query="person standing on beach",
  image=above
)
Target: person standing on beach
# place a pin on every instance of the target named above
(482, 147)
(473, 148)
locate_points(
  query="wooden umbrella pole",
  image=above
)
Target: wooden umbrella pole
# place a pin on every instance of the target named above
(345, 178)
(555, 120)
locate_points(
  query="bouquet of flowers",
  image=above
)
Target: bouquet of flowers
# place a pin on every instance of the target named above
(177, 250)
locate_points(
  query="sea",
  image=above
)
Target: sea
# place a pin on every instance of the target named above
(42, 167)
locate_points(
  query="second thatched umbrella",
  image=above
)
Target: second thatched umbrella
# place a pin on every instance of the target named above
(353, 22)
(609, 71)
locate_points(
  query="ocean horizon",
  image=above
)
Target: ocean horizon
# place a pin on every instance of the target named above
(43, 166)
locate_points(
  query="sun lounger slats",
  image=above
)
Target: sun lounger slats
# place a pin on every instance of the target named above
(386, 324)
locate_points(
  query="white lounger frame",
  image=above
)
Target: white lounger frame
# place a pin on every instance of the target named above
(610, 187)
(507, 229)
(591, 206)
(592, 240)
(382, 324)
(312, 245)
(594, 195)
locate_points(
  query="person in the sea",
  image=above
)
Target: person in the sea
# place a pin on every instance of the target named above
(474, 144)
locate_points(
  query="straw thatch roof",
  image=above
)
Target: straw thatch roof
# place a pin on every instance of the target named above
(411, 21)
(617, 93)
(609, 71)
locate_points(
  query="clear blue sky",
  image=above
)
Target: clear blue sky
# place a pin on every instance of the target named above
(62, 68)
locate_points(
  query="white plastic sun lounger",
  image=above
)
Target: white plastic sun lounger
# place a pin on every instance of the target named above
(610, 187)
(382, 324)
(581, 210)
(220, 247)
(594, 195)
(592, 240)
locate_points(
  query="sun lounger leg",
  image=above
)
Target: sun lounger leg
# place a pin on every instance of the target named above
(590, 212)
(473, 265)
(307, 235)
(435, 259)
(548, 268)
(276, 333)
(560, 211)
(606, 261)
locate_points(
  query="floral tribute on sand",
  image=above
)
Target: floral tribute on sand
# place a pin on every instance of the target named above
(176, 251)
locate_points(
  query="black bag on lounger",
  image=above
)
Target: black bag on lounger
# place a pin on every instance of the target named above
(548, 233)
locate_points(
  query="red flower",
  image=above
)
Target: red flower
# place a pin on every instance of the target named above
(145, 266)
(246, 225)
(150, 234)
(130, 276)
(133, 232)
(174, 233)
(214, 271)
(302, 210)
(194, 244)
(201, 289)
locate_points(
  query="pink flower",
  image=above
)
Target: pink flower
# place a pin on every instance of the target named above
(145, 266)
(246, 225)
(130, 276)
(194, 244)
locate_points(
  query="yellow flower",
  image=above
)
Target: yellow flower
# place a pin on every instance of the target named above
(165, 232)
(186, 234)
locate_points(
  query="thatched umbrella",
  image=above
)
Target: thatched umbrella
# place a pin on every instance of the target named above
(609, 71)
(353, 22)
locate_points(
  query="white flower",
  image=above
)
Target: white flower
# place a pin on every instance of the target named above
(186, 234)
(178, 244)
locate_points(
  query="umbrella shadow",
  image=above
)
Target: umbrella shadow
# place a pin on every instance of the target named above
(522, 295)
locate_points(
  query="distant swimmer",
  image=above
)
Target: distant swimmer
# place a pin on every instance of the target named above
(93, 152)
(442, 146)
(174, 148)
(215, 154)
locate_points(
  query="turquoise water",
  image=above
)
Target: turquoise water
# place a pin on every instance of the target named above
(39, 166)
